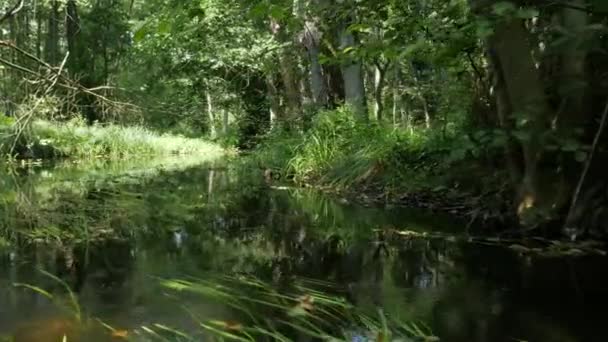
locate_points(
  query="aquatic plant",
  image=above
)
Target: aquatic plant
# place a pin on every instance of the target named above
(303, 308)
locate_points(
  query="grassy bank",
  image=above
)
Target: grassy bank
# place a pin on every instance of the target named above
(436, 168)
(47, 140)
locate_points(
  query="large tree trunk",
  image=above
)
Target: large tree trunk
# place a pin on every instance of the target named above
(352, 75)
(311, 38)
(572, 85)
(292, 95)
(527, 99)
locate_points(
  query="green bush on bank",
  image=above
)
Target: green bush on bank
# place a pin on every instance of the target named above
(45, 139)
(340, 152)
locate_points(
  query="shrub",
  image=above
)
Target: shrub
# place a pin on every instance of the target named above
(340, 152)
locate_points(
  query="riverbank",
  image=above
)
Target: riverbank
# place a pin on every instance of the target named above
(381, 165)
(52, 140)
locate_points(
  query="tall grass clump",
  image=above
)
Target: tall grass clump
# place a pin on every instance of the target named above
(340, 152)
(303, 310)
(74, 139)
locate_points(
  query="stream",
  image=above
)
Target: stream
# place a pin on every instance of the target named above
(97, 242)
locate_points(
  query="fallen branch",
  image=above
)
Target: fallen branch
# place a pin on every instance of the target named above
(66, 81)
(28, 116)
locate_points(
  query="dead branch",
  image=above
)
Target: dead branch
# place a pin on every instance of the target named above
(66, 82)
(12, 11)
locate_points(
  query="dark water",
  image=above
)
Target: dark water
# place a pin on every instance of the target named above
(185, 222)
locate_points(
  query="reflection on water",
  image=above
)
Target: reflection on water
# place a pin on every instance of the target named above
(112, 232)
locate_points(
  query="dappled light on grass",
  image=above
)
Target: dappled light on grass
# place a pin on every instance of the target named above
(76, 140)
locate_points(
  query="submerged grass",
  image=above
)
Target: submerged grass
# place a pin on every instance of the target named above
(304, 309)
(258, 311)
(46, 140)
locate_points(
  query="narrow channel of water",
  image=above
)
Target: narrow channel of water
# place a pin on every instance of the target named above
(112, 233)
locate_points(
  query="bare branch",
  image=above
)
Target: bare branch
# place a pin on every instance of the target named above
(12, 11)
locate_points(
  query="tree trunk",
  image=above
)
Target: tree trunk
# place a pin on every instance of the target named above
(379, 77)
(527, 98)
(292, 95)
(275, 104)
(72, 23)
(352, 75)
(396, 94)
(225, 122)
(210, 115)
(287, 71)
(52, 46)
(38, 30)
(573, 78)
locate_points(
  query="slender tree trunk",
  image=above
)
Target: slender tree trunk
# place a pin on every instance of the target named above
(396, 94)
(210, 115)
(52, 47)
(225, 122)
(38, 30)
(310, 39)
(72, 22)
(379, 80)
(275, 104)
(352, 74)
(290, 82)
(292, 95)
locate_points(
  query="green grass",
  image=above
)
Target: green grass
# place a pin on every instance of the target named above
(340, 153)
(46, 140)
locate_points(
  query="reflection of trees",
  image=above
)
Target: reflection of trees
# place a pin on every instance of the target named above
(198, 220)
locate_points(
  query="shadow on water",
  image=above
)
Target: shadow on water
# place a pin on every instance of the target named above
(110, 232)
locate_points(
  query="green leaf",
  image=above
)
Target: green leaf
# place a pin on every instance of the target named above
(277, 12)
(503, 8)
(484, 29)
(140, 33)
(571, 145)
(164, 27)
(527, 13)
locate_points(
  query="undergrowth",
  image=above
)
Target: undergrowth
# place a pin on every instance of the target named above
(340, 153)
(45, 140)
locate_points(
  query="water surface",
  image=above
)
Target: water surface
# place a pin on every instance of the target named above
(112, 232)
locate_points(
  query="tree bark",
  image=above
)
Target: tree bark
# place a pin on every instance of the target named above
(352, 75)
(379, 78)
(38, 31)
(573, 79)
(275, 104)
(311, 38)
(52, 46)
(210, 115)
(72, 23)
(225, 122)
(527, 100)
